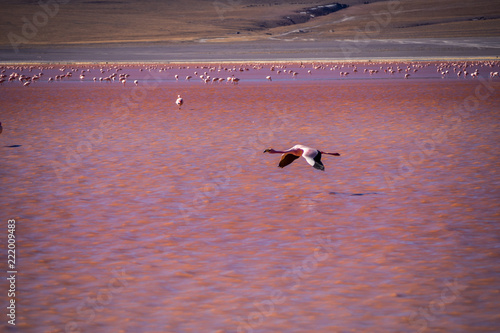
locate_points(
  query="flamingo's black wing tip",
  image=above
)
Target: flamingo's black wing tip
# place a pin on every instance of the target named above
(319, 166)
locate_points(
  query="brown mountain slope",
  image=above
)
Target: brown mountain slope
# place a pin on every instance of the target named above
(111, 21)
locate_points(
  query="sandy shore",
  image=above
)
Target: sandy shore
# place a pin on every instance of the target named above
(339, 50)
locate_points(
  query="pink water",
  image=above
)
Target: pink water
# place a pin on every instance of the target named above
(134, 216)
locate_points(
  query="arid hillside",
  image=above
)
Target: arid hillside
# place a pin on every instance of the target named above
(31, 23)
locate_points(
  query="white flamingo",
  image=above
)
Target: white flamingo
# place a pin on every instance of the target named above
(179, 101)
(311, 155)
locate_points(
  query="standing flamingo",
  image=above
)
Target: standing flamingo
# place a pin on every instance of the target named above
(311, 155)
(179, 101)
(1, 129)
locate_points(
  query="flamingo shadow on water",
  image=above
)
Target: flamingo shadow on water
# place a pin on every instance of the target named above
(353, 194)
(11, 146)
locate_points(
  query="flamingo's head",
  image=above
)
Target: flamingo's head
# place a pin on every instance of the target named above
(268, 150)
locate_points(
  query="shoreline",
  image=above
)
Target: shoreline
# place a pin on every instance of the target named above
(257, 61)
(261, 52)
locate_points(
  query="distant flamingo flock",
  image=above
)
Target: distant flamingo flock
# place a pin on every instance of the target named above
(214, 74)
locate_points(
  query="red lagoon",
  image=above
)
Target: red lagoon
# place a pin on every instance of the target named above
(135, 216)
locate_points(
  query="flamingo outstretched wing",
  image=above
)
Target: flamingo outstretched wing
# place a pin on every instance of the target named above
(313, 158)
(287, 159)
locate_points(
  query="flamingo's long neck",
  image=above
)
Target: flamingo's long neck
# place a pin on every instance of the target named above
(272, 151)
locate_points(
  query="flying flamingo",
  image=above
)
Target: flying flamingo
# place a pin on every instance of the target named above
(311, 155)
(179, 101)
